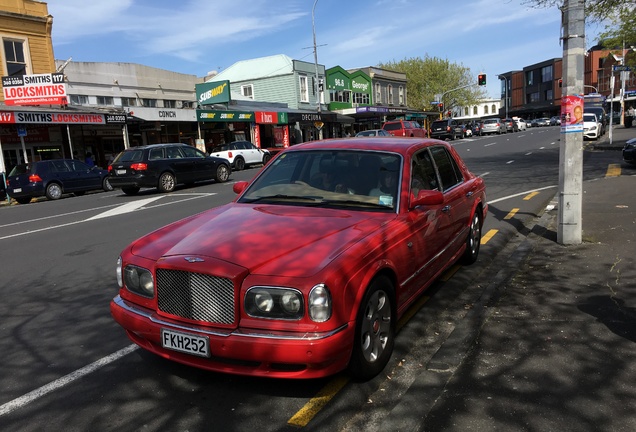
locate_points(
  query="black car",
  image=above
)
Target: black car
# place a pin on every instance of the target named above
(53, 178)
(629, 151)
(449, 128)
(163, 166)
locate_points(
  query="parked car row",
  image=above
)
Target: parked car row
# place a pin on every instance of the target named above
(160, 166)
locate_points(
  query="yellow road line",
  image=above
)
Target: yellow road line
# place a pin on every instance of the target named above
(315, 404)
(411, 311)
(512, 213)
(613, 170)
(530, 196)
(490, 234)
(450, 272)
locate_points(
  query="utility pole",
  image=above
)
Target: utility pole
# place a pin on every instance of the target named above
(571, 152)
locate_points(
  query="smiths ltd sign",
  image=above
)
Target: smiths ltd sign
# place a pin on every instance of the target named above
(213, 92)
(40, 89)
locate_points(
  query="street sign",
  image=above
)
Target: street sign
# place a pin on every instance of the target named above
(22, 131)
(620, 68)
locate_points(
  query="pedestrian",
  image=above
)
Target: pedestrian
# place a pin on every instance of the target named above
(89, 160)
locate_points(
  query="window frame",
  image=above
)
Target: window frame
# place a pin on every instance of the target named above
(25, 52)
(304, 88)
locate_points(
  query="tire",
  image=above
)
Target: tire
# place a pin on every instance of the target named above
(239, 164)
(375, 330)
(106, 185)
(266, 159)
(23, 200)
(130, 190)
(53, 191)
(222, 173)
(167, 182)
(473, 241)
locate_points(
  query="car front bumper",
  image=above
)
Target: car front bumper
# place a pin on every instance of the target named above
(242, 351)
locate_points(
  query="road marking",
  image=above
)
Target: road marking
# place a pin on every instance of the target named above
(512, 214)
(126, 208)
(315, 404)
(509, 162)
(528, 154)
(530, 196)
(67, 379)
(613, 170)
(519, 194)
(488, 145)
(57, 215)
(490, 234)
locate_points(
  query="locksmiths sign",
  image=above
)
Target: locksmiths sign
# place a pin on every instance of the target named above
(39, 89)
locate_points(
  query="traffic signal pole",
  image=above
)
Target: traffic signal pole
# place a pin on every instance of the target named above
(569, 229)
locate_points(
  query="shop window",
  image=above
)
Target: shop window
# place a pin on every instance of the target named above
(14, 56)
(304, 90)
(248, 91)
(105, 100)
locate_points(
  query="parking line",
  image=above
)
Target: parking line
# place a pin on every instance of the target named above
(315, 404)
(490, 234)
(512, 214)
(530, 196)
(613, 170)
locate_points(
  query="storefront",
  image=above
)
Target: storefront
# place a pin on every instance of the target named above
(271, 130)
(162, 125)
(220, 126)
(31, 134)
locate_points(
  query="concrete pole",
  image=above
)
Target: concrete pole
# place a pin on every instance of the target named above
(569, 230)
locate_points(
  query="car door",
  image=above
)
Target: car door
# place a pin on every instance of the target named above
(182, 166)
(204, 167)
(457, 199)
(253, 154)
(60, 172)
(84, 177)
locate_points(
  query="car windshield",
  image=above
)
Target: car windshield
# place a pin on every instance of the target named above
(392, 126)
(364, 180)
(589, 117)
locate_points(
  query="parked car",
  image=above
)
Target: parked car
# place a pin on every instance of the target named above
(285, 301)
(163, 166)
(511, 125)
(475, 128)
(241, 154)
(555, 121)
(373, 132)
(404, 128)
(447, 128)
(492, 126)
(54, 178)
(591, 126)
(466, 130)
(543, 121)
(521, 123)
(629, 151)
(601, 116)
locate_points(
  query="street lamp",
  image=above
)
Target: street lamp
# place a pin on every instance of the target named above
(313, 26)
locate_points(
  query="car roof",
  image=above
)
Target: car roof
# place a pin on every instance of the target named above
(150, 146)
(385, 144)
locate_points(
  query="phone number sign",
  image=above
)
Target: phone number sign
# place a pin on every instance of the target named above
(39, 89)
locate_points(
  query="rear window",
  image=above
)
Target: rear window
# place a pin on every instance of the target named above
(490, 121)
(19, 169)
(130, 156)
(439, 124)
(392, 126)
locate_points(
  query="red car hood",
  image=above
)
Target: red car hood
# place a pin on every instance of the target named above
(265, 239)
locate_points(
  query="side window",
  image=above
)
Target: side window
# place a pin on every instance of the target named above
(423, 175)
(155, 153)
(191, 152)
(78, 166)
(173, 153)
(447, 168)
(59, 166)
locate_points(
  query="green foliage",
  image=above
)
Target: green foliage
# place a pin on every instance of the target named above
(433, 76)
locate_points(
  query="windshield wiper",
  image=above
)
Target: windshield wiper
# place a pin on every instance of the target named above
(283, 197)
(356, 203)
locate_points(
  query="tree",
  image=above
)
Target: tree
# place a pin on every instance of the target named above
(431, 76)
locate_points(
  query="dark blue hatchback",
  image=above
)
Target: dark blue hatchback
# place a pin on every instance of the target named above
(53, 178)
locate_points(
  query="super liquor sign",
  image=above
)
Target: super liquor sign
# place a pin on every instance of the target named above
(40, 89)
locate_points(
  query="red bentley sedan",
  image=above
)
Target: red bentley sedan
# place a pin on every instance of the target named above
(350, 233)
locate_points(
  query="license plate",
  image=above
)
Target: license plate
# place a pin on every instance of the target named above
(186, 343)
(17, 190)
(121, 172)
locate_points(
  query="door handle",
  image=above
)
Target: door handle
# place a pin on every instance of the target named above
(469, 194)
(446, 209)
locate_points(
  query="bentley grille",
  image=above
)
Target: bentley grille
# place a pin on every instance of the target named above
(195, 296)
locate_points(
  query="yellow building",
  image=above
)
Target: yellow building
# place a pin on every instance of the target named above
(25, 29)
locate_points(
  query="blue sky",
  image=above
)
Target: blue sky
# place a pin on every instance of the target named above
(198, 36)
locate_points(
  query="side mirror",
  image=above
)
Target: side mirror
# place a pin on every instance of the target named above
(239, 187)
(427, 198)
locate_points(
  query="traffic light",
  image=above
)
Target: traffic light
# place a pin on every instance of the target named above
(481, 79)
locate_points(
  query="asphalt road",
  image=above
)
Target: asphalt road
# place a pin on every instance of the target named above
(67, 366)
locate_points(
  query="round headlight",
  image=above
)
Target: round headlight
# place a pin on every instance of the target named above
(139, 280)
(263, 301)
(146, 284)
(291, 302)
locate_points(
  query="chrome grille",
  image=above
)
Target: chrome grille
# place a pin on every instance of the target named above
(195, 296)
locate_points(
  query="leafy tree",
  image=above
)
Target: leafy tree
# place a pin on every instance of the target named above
(433, 76)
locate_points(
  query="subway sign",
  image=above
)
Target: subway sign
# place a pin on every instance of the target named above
(213, 92)
(224, 116)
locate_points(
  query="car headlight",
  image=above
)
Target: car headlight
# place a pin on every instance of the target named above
(319, 303)
(139, 281)
(274, 303)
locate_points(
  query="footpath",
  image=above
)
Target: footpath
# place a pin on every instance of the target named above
(551, 346)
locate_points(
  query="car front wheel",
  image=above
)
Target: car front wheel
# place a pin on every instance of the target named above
(53, 191)
(222, 173)
(167, 182)
(375, 330)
